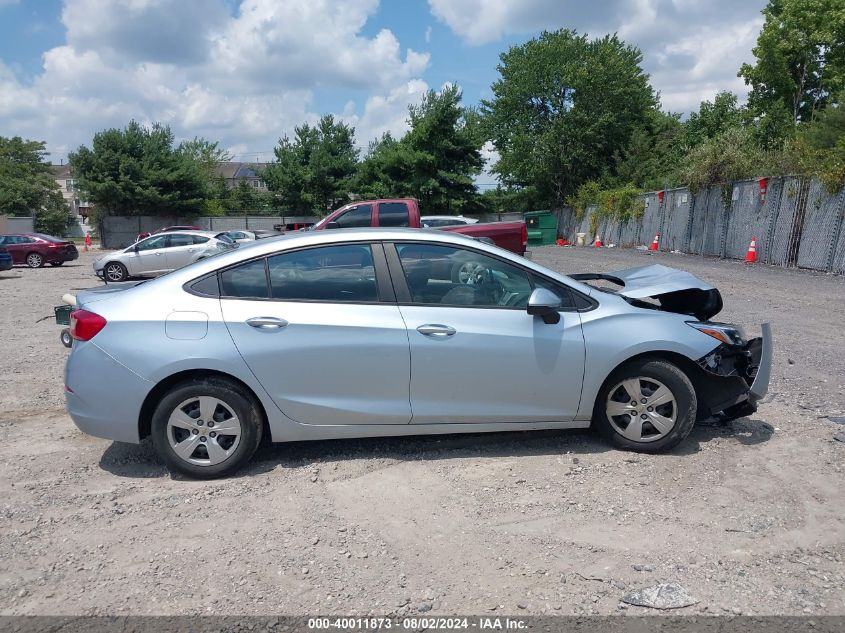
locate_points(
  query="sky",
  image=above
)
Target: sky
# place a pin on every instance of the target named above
(246, 72)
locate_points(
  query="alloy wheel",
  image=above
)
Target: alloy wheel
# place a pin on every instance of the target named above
(469, 271)
(34, 260)
(114, 272)
(642, 409)
(204, 431)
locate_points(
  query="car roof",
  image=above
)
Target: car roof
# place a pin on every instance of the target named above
(184, 232)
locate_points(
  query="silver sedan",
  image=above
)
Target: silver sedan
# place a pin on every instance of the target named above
(159, 254)
(363, 333)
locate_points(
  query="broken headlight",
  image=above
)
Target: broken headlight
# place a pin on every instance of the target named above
(728, 334)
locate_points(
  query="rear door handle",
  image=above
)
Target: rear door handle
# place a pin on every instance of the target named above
(267, 323)
(435, 330)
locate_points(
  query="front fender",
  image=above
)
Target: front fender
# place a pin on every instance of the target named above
(613, 336)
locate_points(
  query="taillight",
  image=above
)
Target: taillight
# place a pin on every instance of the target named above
(85, 325)
(524, 234)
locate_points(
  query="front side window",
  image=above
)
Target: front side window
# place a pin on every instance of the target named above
(356, 216)
(451, 276)
(393, 214)
(329, 273)
(159, 241)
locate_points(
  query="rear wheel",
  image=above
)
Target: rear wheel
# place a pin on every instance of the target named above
(207, 428)
(646, 405)
(34, 260)
(115, 271)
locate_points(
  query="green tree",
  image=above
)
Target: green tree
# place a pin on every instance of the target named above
(821, 145)
(800, 62)
(27, 186)
(314, 170)
(563, 108)
(442, 152)
(137, 171)
(382, 172)
(712, 119)
(651, 157)
(208, 155)
(435, 162)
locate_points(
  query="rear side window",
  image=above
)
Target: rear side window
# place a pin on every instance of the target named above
(199, 239)
(178, 239)
(393, 214)
(247, 281)
(330, 273)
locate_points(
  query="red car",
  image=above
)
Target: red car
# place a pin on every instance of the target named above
(37, 249)
(167, 229)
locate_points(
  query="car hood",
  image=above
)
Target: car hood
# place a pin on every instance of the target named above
(675, 290)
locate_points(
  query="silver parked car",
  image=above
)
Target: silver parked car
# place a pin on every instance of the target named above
(159, 254)
(381, 332)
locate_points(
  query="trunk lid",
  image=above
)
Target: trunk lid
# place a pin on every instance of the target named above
(675, 290)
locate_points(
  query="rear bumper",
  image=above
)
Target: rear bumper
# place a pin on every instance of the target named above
(103, 397)
(61, 255)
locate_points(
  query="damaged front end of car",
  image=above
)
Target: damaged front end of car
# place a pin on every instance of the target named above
(731, 379)
(735, 376)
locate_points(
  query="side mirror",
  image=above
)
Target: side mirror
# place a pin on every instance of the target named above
(544, 303)
(333, 225)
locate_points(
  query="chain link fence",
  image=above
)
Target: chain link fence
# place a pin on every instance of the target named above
(795, 221)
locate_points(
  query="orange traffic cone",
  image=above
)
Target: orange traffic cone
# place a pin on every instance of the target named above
(751, 255)
(654, 244)
(598, 241)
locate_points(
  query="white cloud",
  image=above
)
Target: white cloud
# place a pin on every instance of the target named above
(244, 78)
(691, 48)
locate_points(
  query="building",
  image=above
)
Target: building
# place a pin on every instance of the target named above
(78, 208)
(234, 172)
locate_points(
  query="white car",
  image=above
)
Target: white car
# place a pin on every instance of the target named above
(242, 235)
(159, 254)
(436, 221)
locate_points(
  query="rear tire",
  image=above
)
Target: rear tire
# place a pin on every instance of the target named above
(646, 405)
(207, 428)
(115, 272)
(34, 260)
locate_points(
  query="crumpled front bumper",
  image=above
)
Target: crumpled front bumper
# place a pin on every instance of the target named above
(734, 378)
(760, 386)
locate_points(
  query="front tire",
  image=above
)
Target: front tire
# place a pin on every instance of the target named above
(34, 260)
(207, 428)
(646, 405)
(115, 272)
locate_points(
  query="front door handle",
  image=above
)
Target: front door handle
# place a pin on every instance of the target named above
(435, 330)
(267, 323)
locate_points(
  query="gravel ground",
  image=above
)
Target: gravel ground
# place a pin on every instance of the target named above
(747, 517)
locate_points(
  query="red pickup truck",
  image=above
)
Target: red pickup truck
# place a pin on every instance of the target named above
(404, 212)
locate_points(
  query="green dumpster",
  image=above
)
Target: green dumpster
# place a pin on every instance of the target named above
(542, 227)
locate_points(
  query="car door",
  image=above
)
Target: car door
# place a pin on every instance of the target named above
(180, 250)
(322, 333)
(476, 354)
(149, 257)
(13, 245)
